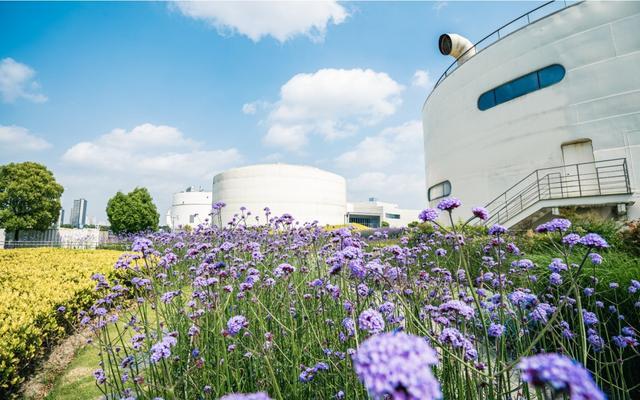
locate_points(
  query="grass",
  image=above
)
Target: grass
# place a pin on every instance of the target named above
(77, 381)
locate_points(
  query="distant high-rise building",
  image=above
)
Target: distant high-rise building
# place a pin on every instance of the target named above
(61, 217)
(79, 213)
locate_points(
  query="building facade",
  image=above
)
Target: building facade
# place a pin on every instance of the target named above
(546, 116)
(61, 217)
(190, 207)
(306, 193)
(79, 213)
(375, 214)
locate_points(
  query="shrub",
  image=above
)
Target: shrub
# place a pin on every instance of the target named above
(40, 292)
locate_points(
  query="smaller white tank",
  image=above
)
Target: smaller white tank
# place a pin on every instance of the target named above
(189, 207)
(306, 193)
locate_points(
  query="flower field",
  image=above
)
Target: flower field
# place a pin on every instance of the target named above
(293, 311)
(41, 290)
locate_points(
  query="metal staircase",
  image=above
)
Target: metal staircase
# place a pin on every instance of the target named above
(592, 183)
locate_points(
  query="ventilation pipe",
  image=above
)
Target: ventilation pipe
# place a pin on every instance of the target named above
(456, 46)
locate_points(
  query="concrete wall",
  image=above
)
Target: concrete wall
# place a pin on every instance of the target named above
(483, 153)
(306, 193)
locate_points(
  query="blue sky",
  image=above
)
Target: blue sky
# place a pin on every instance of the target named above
(164, 95)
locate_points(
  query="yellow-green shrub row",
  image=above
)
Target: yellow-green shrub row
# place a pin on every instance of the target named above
(33, 284)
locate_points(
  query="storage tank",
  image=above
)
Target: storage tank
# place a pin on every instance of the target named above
(189, 207)
(306, 193)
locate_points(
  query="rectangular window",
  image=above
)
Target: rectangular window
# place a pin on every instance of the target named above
(192, 219)
(392, 216)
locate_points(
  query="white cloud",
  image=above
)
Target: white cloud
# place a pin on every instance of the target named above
(331, 102)
(282, 20)
(388, 165)
(397, 145)
(158, 157)
(16, 138)
(439, 6)
(422, 78)
(16, 81)
(406, 190)
(249, 108)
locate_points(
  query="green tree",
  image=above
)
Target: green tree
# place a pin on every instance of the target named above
(132, 212)
(29, 197)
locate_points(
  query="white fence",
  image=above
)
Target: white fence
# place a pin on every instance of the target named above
(86, 238)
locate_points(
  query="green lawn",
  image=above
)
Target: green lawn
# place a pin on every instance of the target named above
(77, 381)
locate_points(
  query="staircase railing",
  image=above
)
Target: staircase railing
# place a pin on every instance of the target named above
(598, 178)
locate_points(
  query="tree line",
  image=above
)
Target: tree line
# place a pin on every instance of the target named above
(30, 200)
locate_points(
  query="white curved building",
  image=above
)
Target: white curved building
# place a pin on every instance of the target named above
(190, 207)
(307, 193)
(546, 114)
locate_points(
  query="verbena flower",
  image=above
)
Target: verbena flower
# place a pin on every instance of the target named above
(593, 240)
(495, 330)
(562, 374)
(428, 215)
(555, 279)
(596, 259)
(458, 307)
(555, 225)
(571, 239)
(371, 321)
(397, 365)
(449, 204)
(481, 213)
(236, 324)
(162, 349)
(497, 229)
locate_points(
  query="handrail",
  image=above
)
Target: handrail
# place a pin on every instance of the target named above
(454, 65)
(587, 179)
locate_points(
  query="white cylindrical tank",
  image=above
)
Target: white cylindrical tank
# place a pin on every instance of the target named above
(306, 193)
(189, 208)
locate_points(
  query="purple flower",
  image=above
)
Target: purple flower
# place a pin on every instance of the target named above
(497, 230)
(593, 240)
(397, 365)
(555, 279)
(246, 396)
(349, 325)
(481, 213)
(236, 324)
(589, 318)
(62, 309)
(283, 270)
(555, 225)
(596, 259)
(457, 340)
(428, 215)
(624, 341)
(371, 321)
(571, 239)
(458, 307)
(496, 330)
(100, 376)
(562, 374)
(557, 265)
(634, 287)
(525, 264)
(542, 312)
(449, 204)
